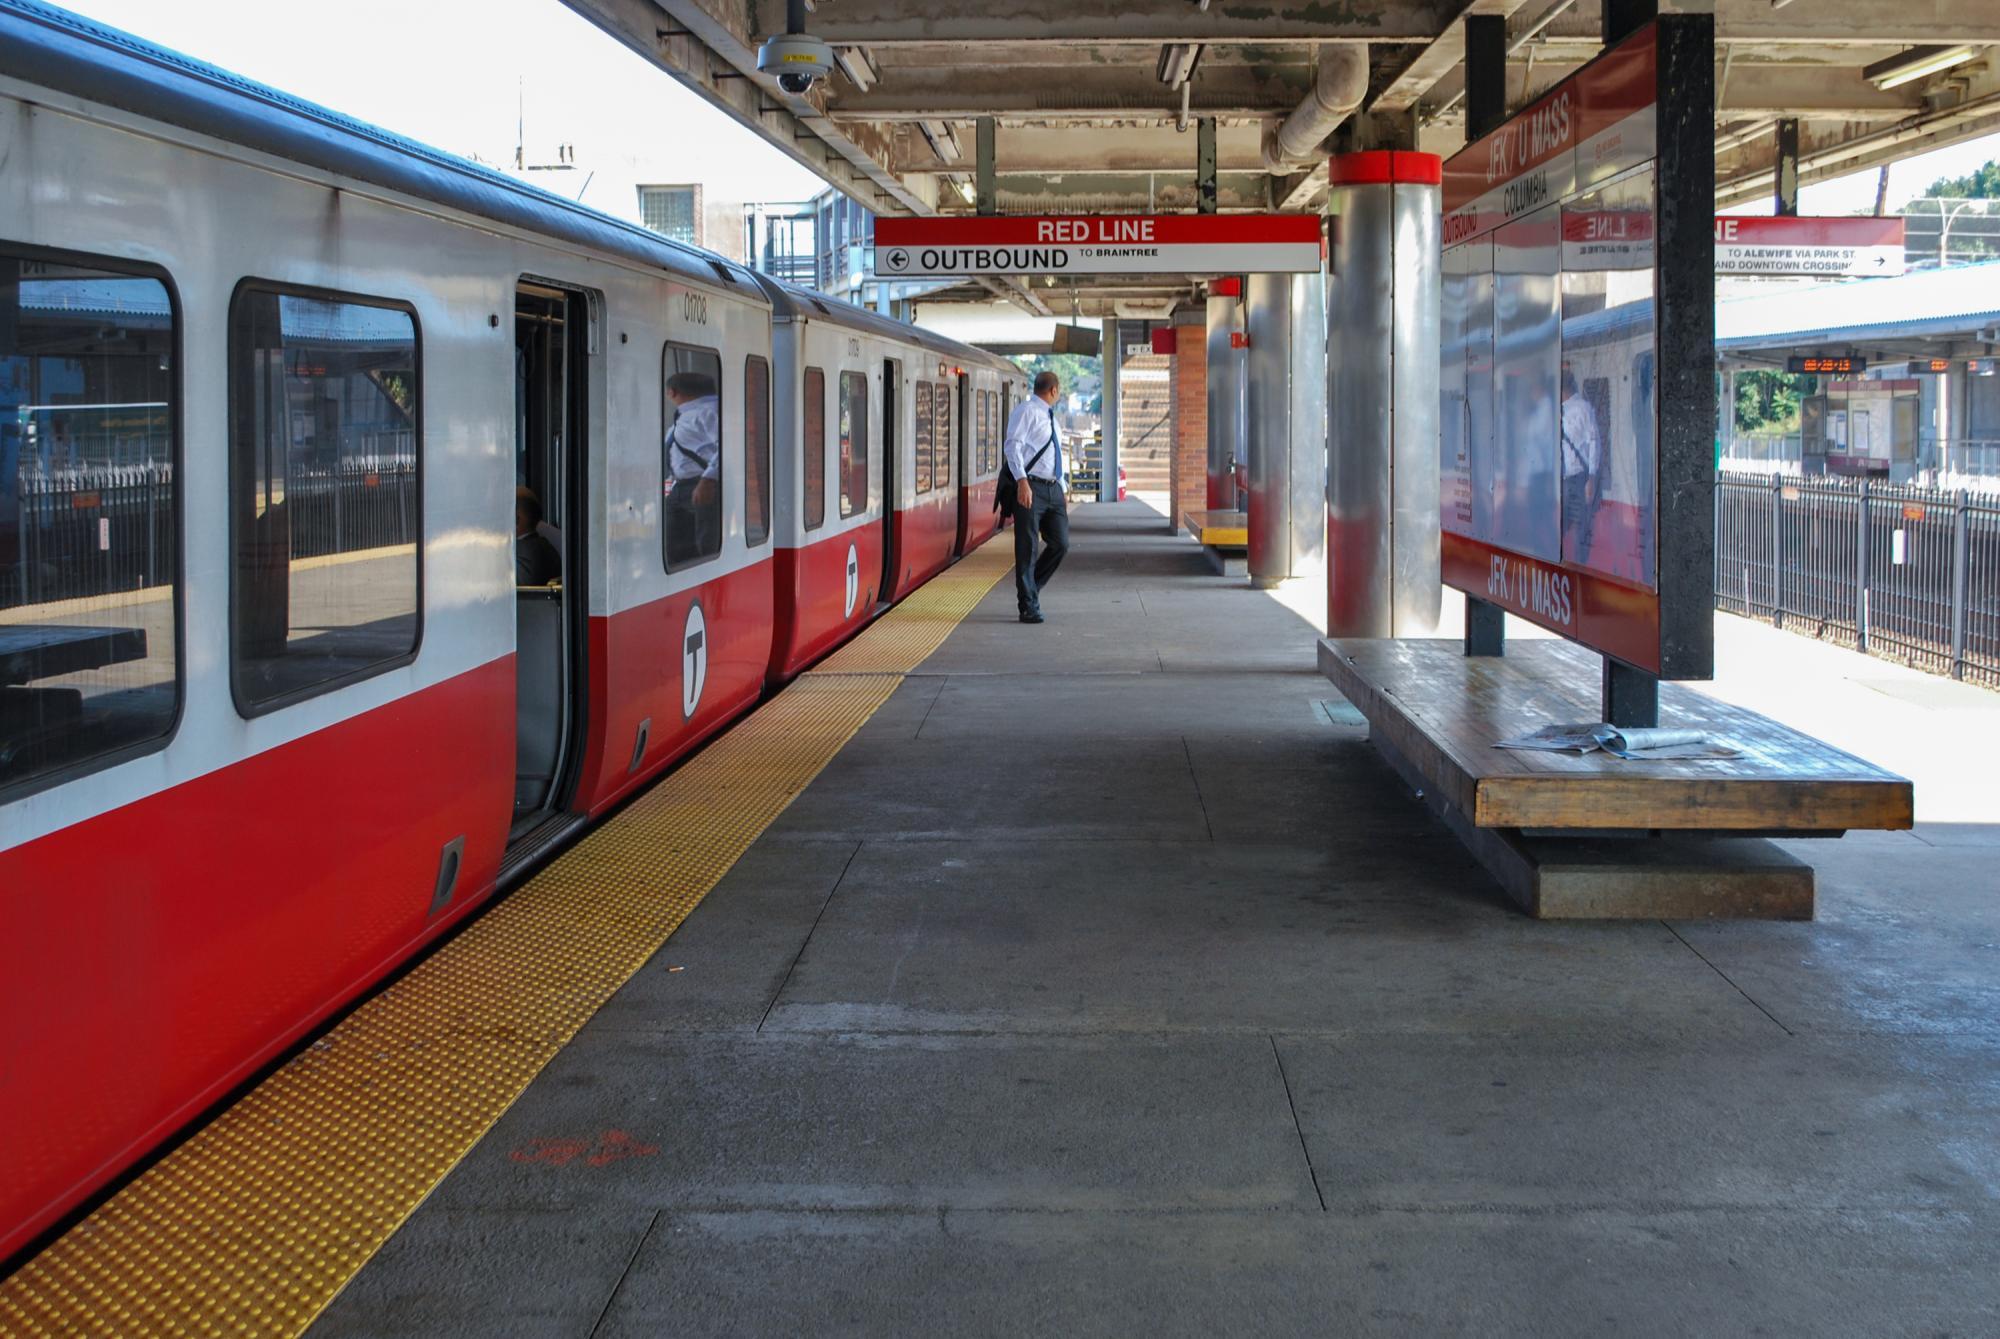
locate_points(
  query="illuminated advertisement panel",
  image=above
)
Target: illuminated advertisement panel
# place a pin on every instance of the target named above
(1551, 466)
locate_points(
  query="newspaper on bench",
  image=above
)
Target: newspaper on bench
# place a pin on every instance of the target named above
(1623, 742)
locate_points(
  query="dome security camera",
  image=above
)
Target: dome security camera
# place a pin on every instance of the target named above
(799, 60)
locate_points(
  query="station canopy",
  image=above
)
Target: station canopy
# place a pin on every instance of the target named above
(1096, 104)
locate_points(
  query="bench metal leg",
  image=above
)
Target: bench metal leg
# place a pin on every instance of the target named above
(1631, 696)
(1485, 628)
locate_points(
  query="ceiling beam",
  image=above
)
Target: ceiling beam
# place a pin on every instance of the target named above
(1072, 149)
(1816, 22)
(882, 23)
(956, 92)
(696, 44)
(1744, 171)
(1444, 53)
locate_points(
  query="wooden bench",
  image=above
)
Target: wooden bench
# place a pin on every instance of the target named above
(1593, 835)
(1224, 537)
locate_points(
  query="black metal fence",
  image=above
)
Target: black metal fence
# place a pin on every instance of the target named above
(96, 532)
(1912, 573)
(90, 532)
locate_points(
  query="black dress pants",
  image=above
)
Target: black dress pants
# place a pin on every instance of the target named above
(1046, 519)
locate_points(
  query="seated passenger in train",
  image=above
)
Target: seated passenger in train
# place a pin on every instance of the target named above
(694, 457)
(536, 562)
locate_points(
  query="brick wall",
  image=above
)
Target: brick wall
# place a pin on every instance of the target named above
(1190, 391)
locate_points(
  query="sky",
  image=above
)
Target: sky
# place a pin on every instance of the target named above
(454, 73)
(458, 74)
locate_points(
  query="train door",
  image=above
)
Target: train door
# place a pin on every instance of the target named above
(965, 434)
(551, 433)
(892, 396)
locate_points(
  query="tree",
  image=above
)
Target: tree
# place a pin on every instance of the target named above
(1769, 401)
(1080, 376)
(1981, 185)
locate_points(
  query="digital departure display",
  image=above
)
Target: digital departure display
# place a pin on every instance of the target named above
(1825, 365)
(1939, 365)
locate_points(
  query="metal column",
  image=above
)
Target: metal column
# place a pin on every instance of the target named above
(1225, 391)
(1112, 360)
(1382, 357)
(1285, 424)
(1785, 186)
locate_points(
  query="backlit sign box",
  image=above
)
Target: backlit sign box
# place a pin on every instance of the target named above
(927, 248)
(1826, 248)
(1577, 475)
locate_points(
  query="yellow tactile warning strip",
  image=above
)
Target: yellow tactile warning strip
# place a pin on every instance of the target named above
(256, 1222)
(920, 624)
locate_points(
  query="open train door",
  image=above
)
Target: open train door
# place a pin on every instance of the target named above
(552, 349)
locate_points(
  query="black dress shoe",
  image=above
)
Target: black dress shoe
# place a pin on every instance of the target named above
(1031, 618)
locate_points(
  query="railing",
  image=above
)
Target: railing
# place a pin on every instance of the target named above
(1909, 572)
(100, 531)
(90, 532)
(359, 505)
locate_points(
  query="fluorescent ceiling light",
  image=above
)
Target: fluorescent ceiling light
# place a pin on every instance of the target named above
(857, 65)
(1916, 63)
(1178, 62)
(942, 139)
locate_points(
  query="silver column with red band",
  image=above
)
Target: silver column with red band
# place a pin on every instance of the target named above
(1285, 424)
(1382, 366)
(1225, 390)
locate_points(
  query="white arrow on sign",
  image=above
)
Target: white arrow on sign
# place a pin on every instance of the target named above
(853, 580)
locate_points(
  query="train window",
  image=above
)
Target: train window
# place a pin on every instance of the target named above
(325, 495)
(988, 454)
(814, 418)
(853, 444)
(691, 454)
(923, 438)
(943, 445)
(89, 510)
(756, 451)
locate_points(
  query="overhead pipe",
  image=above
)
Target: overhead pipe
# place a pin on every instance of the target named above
(1339, 84)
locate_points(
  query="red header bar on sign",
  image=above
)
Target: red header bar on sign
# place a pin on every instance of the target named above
(1738, 230)
(1099, 230)
(1568, 136)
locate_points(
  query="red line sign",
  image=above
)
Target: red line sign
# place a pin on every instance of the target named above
(1098, 243)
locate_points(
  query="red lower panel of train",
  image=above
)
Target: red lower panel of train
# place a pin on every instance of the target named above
(925, 537)
(818, 605)
(685, 674)
(224, 918)
(977, 520)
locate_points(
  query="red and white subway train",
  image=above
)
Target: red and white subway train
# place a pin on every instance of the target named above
(280, 397)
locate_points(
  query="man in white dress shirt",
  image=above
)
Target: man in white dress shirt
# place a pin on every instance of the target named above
(1582, 469)
(694, 459)
(1033, 453)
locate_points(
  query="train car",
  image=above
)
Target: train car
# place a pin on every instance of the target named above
(346, 568)
(873, 421)
(984, 395)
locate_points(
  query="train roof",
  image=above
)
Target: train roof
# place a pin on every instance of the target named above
(790, 302)
(41, 44)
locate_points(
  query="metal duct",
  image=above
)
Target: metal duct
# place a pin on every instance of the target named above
(1339, 85)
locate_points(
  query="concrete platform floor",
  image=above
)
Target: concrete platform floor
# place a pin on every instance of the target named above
(1107, 983)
